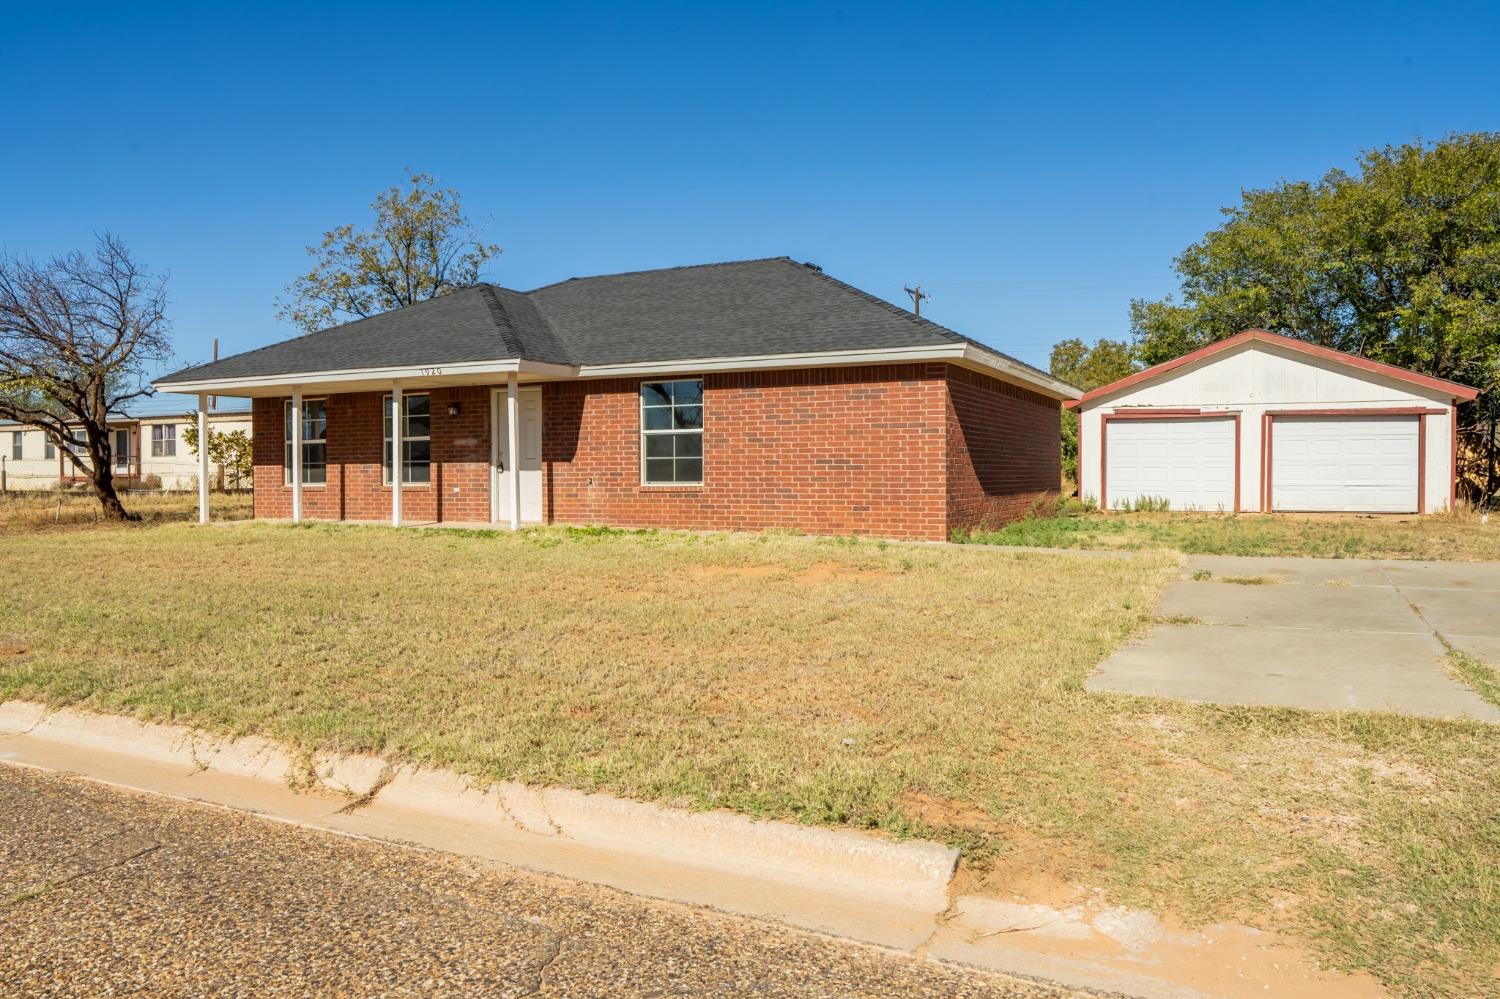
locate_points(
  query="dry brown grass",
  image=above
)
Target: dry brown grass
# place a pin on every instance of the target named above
(41, 511)
(916, 689)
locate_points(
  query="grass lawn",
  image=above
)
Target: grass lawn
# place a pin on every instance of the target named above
(1458, 536)
(919, 690)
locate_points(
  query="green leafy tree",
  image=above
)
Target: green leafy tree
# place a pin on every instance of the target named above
(229, 449)
(1085, 367)
(1398, 261)
(422, 245)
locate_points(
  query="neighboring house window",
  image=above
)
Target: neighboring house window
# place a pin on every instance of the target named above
(416, 441)
(48, 450)
(80, 445)
(15, 445)
(164, 440)
(314, 443)
(672, 432)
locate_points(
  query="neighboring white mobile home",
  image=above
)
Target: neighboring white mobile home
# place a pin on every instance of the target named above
(146, 447)
(1262, 422)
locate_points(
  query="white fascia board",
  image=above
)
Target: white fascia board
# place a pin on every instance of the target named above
(967, 354)
(754, 362)
(1011, 371)
(226, 386)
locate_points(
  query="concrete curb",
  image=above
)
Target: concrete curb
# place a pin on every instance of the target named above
(842, 882)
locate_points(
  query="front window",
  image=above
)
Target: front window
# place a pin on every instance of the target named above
(314, 443)
(49, 450)
(15, 445)
(416, 441)
(672, 432)
(164, 440)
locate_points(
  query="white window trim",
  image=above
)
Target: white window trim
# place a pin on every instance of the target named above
(17, 448)
(169, 433)
(640, 402)
(286, 468)
(385, 454)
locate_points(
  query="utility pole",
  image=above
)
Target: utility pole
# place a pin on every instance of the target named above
(917, 297)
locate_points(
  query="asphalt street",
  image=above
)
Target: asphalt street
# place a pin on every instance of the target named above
(109, 892)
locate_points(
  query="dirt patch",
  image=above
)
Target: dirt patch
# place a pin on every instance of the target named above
(11, 651)
(1086, 934)
(818, 572)
(822, 572)
(738, 571)
(948, 813)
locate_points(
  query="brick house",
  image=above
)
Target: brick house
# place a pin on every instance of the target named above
(735, 396)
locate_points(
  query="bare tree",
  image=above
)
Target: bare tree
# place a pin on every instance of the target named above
(77, 334)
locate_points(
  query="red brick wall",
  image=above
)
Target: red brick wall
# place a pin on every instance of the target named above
(831, 451)
(903, 451)
(1004, 451)
(459, 490)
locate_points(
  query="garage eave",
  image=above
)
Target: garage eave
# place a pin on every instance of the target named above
(1454, 391)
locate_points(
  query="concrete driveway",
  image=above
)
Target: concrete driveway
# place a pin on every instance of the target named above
(1328, 634)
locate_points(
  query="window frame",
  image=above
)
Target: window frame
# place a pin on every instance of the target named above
(49, 448)
(16, 449)
(644, 433)
(286, 443)
(163, 440)
(385, 441)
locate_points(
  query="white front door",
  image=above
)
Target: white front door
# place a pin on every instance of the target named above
(1366, 464)
(530, 464)
(1187, 461)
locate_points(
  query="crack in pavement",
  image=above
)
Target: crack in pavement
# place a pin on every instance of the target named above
(47, 885)
(553, 952)
(386, 775)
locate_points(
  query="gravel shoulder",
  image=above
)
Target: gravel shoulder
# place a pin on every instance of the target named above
(104, 891)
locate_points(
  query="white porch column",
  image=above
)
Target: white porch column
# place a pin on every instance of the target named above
(513, 449)
(396, 468)
(296, 456)
(202, 458)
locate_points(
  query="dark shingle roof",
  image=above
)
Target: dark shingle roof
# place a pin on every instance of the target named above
(741, 308)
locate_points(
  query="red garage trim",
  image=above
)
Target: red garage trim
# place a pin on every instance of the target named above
(1268, 434)
(1452, 458)
(1454, 390)
(1366, 411)
(1421, 464)
(1130, 411)
(1146, 413)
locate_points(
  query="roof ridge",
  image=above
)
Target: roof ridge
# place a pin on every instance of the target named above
(660, 270)
(907, 314)
(508, 335)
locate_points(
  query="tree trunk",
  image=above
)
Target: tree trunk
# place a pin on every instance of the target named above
(104, 488)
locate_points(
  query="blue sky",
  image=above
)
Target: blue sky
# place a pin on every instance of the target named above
(1033, 166)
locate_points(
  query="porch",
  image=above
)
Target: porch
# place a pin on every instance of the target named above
(326, 452)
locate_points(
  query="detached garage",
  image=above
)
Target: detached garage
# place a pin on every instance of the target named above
(1263, 422)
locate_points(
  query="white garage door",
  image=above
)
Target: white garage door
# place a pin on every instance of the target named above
(1353, 463)
(1188, 461)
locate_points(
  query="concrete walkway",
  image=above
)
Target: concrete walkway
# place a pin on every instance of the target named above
(1326, 634)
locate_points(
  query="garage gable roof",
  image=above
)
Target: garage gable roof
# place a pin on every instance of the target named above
(1455, 390)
